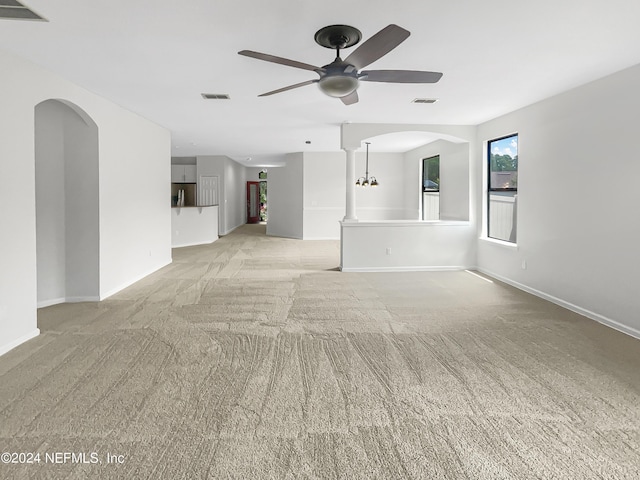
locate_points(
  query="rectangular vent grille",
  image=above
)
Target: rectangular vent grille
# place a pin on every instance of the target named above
(424, 100)
(14, 10)
(215, 96)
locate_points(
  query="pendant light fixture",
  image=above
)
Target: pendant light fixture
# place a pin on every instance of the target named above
(367, 181)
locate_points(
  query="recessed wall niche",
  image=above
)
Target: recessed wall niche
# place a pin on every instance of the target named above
(67, 203)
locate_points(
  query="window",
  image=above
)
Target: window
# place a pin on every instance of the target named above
(431, 188)
(502, 204)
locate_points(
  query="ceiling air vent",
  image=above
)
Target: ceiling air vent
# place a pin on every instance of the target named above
(424, 100)
(14, 10)
(215, 96)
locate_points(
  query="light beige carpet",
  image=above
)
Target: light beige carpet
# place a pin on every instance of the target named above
(254, 358)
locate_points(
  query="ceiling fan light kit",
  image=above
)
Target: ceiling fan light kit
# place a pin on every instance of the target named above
(338, 85)
(341, 78)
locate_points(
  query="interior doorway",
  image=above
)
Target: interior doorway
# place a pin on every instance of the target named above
(253, 202)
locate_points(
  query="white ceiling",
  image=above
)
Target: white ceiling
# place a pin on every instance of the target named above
(155, 57)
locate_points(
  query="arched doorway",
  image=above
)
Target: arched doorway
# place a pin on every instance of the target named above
(67, 204)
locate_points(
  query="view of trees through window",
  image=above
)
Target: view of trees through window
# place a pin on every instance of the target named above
(263, 195)
(431, 174)
(431, 188)
(503, 188)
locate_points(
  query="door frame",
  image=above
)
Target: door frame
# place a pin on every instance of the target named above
(255, 218)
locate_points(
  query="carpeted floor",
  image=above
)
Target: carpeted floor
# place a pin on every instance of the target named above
(254, 358)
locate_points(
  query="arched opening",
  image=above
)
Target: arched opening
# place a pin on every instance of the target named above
(435, 173)
(67, 204)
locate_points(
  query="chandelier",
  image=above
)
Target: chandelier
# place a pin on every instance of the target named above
(367, 181)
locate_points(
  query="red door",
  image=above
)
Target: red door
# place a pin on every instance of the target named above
(253, 202)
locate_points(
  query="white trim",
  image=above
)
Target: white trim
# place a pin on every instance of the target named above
(51, 301)
(380, 209)
(18, 341)
(57, 301)
(479, 276)
(403, 269)
(81, 299)
(194, 244)
(231, 230)
(408, 223)
(320, 209)
(288, 236)
(502, 243)
(113, 291)
(569, 306)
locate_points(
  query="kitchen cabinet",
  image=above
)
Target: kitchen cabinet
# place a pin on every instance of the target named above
(183, 174)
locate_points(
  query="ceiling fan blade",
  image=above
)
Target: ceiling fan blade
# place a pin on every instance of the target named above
(377, 46)
(280, 60)
(399, 76)
(290, 87)
(351, 98)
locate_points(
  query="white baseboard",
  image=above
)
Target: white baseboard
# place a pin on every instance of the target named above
(404, 269)
(193, 244)
(231, 229)
(57, 301)
(82, 299)
(19, 341)
(51, 301)
(113, 291)
(320, 238)
(293, 237)
(569, 306)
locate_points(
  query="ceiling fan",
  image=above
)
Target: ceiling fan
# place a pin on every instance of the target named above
(341, 78)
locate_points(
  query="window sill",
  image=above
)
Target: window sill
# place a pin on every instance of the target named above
(502, 243)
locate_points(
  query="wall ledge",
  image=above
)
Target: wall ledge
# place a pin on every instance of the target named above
(407, 223)
(498, 242)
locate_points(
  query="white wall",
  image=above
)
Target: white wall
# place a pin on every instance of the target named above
(50, 204)
(578, 200)
(253, 172)
(194, 226)
(324, 194)
(286, 198)
(232, 189)
(214, 165)
(235, 196)
(325, 191)
(134, 186)
(454, 179)
(386, 201)
(81, 189)
(404, 245)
